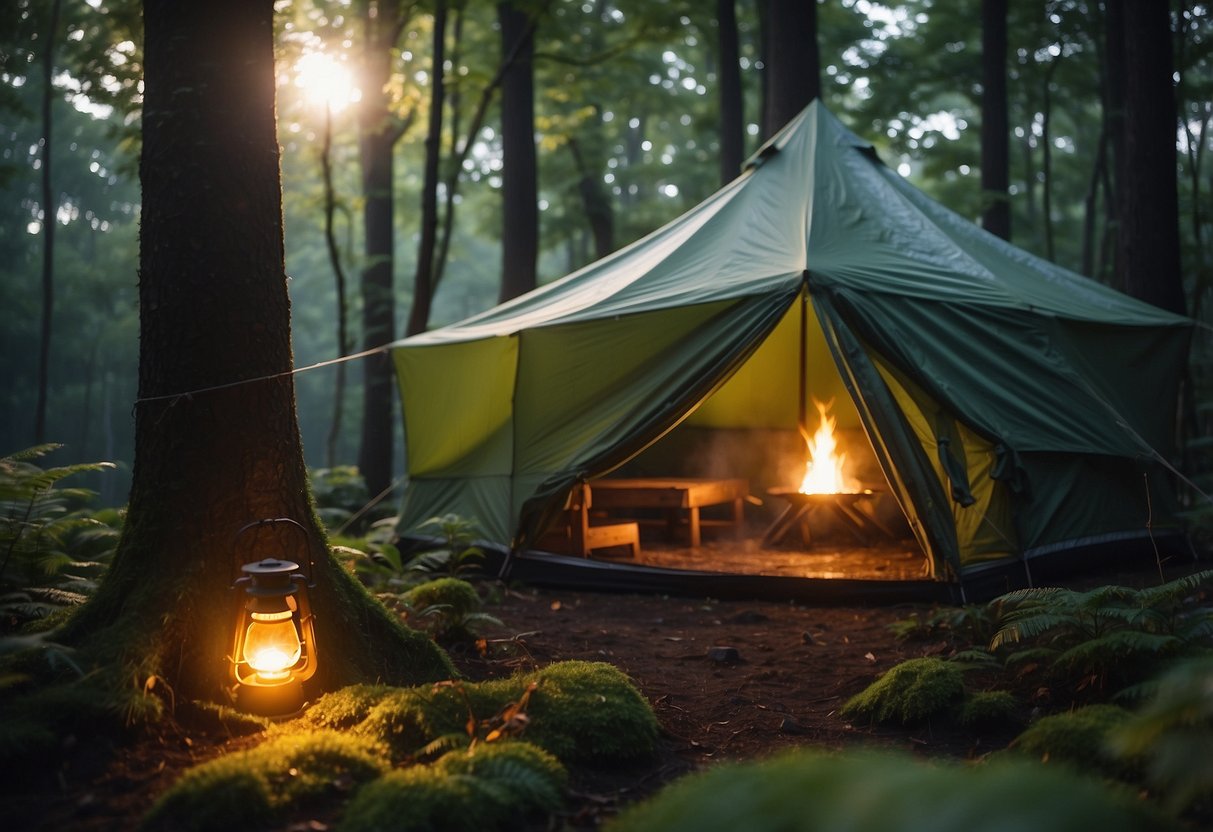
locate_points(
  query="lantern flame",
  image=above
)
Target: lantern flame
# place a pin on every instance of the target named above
(271, 645)
(823, 472)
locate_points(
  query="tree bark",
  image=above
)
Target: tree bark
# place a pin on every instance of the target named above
(49, 208)
(596, 204)
(519, 175)
(995, 135)
(377, 137)
(217, 440)
(732, 115)
(1148, 199)
(793, 70)
(423, 280)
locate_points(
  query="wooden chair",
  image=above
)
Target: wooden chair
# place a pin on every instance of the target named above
(578, 535)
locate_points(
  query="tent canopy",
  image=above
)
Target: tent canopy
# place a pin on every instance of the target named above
(1015, 407)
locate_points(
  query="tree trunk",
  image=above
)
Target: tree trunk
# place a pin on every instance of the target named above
(1149, 200)
(217, 442)
(732, 115)
(596, 204)
(519, 175)
(423, 280)
(49, 208)
(1046, 157)
(330, 239)
(377, 137)
(793, 70)
(995, 136)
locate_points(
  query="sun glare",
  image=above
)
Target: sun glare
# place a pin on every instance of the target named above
(324, 81)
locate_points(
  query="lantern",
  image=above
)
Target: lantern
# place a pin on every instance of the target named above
(274, 650)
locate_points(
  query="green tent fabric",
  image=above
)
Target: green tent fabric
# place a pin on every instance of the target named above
(1016, 408)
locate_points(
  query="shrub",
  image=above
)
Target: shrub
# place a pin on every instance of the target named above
(449, 608)
(820, 792)
(1079, 738)
(990, 707)
(909, 692)
(1173, 735)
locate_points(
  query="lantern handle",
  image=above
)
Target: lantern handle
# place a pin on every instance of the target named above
(269, 521)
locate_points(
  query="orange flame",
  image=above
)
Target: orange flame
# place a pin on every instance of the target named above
(823, 473)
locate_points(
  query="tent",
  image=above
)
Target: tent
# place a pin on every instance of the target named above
(1016, 409)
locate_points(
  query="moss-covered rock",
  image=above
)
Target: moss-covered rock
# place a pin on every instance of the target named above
(462, 792)
(243, 790)
(1079, 738)
(820, 792)
(458, 597)
(344, 708)
(912, 691)
(990, 707)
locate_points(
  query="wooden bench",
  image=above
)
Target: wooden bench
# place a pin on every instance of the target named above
(579, 536)
(674, 496)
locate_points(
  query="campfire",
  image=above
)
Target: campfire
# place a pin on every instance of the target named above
(824, 470)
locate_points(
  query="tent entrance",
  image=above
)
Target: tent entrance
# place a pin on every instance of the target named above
(750, 429)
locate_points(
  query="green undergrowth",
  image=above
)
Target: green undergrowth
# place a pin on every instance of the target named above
(252, 788)
(448, 608)
(811, 791)
(486, 788)
(990, 707)
(450, 756)
(578, 711)
(1078, 738)
(912, 691)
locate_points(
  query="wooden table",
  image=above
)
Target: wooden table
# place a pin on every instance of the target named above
(675, 495)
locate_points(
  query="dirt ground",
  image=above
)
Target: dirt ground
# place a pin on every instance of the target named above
(789, 669)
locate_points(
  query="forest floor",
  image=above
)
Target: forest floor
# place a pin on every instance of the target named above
(793, 667)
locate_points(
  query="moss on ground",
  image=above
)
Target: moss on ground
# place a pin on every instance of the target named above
(912, 691)
(251, 788)
(461, 792)
(577, 711)
(457, 596)
(990, 707)
(1079, 738)
(821, 792)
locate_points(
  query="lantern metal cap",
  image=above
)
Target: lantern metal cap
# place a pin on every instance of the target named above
(270, 566)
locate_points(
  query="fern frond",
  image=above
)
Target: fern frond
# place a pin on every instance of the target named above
(1115, 648)
(1027, 627)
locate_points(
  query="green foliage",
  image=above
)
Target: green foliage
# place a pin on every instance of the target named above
(819, 792)
(52, 551)
(583, 711)
(1079, 738)
(458, 552)
(243, 790)
(912, 691)
(449, 608)
(1108, 634)
(340, 493)
(990, 707)
(1173, 733)
(973, 623)
(484, 788)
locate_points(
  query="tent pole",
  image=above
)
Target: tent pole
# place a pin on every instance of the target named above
(802, 406)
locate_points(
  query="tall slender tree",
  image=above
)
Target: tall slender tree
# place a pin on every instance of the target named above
(995, 135)
(732, 141)
(793, 63)
(49, 208)
(217, 441)
(1148, 201)
(519, 176)
(379, 130)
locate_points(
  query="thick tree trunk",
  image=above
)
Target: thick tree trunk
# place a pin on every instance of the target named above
(423, 280)
(215, 320)
(995, 135)
(1149, 200)
(793, 71)
(519, 185)
(377, 137)
(732, 116)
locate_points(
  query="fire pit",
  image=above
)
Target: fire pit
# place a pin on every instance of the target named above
(825, 485)
(842, 505)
